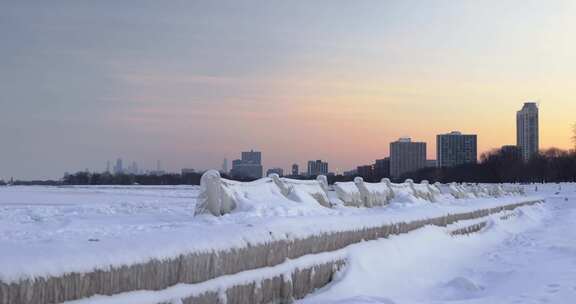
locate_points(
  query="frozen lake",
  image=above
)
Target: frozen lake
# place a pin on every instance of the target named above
(54, 230)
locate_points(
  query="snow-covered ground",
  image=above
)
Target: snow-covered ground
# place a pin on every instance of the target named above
(55, 230)
(528, 259)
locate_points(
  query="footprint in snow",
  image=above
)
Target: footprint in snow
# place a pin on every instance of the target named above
(553, 288)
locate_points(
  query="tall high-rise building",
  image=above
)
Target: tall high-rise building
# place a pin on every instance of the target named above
(250, 166)
(317, 167)
(118, 168)
(455, 148)
(158, 171)
(225, 166)
(252, 156)
(406, 156)
(295, 170)
(527, 130)
(133, 168)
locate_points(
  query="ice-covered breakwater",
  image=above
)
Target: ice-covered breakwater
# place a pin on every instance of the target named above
(221, 196)
(227, 249)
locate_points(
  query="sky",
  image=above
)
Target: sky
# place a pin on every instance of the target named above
(193, 82)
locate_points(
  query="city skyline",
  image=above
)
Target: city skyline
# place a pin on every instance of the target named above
(334, 80)
(452, 149)
(256, 156)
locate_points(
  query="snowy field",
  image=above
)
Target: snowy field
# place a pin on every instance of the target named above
(49, 229)
(54, 230)
(530, 259)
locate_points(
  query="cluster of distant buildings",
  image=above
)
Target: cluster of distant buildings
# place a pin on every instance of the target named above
(132, 168)
(250, 166)
(406, 156)
(452, 149)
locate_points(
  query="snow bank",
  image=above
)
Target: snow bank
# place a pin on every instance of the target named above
(362, 194)
(422, 190)
(266, 196)
(292, 279)
(349, 194)
(375, 194)
(456, 190)
(307, 191)
(414, 267)
(404, 193)
(298, 277)
(53, 237)
(219, 196)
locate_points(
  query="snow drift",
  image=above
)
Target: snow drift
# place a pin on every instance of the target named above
(221, 196)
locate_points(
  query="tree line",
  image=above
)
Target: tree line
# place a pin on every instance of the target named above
(94, 178)
(505, 166)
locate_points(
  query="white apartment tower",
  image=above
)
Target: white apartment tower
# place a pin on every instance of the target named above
(527, 130)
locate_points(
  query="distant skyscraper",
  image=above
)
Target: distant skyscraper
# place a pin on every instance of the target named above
(225, 166)
(278, 171)
(455, 149)
(252, 156)
(249, 166)
(118, 168)
(317, 167)
(527, 130)
(406, 156)
(133, 169)
(158, 171)
(108, 166)
(295, 170)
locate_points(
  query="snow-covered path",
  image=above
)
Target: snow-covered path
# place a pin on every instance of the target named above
(50, 231)
(530, 259)
(538, 266)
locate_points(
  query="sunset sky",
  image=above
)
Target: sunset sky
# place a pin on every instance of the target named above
(193, 82)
